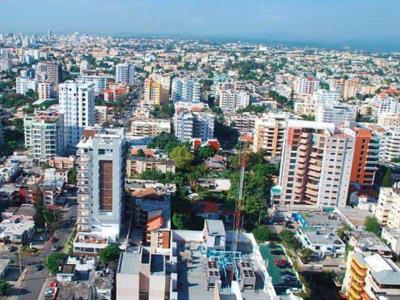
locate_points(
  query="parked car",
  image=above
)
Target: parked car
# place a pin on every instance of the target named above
(54, 240)
(37, 267)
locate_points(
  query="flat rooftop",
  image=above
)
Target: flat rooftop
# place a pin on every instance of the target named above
(129, 262)
(193, 286)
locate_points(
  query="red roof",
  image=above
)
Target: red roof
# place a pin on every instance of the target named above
(210, 207)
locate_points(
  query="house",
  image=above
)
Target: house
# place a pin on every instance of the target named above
(16, 231)
(208, 210)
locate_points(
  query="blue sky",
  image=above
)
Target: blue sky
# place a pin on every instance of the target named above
(371, 21)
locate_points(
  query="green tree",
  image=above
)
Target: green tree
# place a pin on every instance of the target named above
(72, 176)
(40, 219)
(54, 261)
(371, 224)
(140, 153)
(109, 253)
(164, 141)
(179, 220)
(288, 238)
(182, 156)
(4, 287)
(262, 233)
(206, 152)
(387, 178)
(306, 255)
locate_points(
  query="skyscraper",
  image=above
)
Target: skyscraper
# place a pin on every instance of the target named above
(186, 89)
(125, 73)
(101, 174)
(76, 102)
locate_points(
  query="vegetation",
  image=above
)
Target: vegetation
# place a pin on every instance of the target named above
(165, 141)
(262, 233)
(289, 240)
(282, 101)
(54, 261)
(306, 255)
(72, 176)
(387, 178)
(258, 109)
(4, 287)
(182, 156)
(109, 254)
(165, 111)
(371, 224)
(46, 217)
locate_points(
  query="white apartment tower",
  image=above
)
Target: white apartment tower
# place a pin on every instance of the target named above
(188, 125)
(76, 101)
(316, 165)
(100, 177)
(45, 90)
(233, 99)
(186, 89)
(44, 134)
(125, 73)
(335, 112)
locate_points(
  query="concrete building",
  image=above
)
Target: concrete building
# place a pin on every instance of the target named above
(315, 165)
(269, 133)
(125, 73)
(350, 88)
(389, 144)
(138, 165)
(371, 277)
(99, 82)
(384, 104)
(307, 85)
(149, 127)
(100, 114)
(24, 84)
(388, 207)
(335, 112)
(392, 238)
(44, 134)
(101, 170)
(388, 120)
(232, 99)
(186, 90)
(76, 103)
(243, 122)
(45, 90)
(53, 72)
(156, 89)
(188, 125)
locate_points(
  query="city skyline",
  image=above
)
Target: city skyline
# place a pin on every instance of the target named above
(357, 24)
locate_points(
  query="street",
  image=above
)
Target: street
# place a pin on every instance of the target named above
(34, 280)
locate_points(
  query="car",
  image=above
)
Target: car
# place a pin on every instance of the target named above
(12, 248)
(54, 240)
(54, 248)
(37, 267)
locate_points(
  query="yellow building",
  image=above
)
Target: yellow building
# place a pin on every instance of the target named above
(357, 274)
(156, 89)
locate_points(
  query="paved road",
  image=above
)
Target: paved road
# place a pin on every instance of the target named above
(34, 280)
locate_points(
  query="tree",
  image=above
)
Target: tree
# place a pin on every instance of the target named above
(54, 261)
(140, 153)
(206, 152)
(371, 224)
(288, 238)
(164, 141)
(387, 178)
(344, 232)
(262, 233)
(72, 176)
(179, 220)
(182, 156)
(4, 287)
(109, 253)
(306, 255)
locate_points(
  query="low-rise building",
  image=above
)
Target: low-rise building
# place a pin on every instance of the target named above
(392, 238)
(149, 127)
(16, 231)
(139, 164)
(367, 242)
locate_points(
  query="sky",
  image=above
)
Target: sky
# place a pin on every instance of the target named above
(369, 22)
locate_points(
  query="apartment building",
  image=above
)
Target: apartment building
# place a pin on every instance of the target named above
(100, 114)
(149, 127)
(384, 104)
(389, 144)
(189, 125)
(156, 89)
(388, 120)
(366, 155)
(44, 134)
(125, 73)
(315, 165)
(350, 88)
(101, 170)
(99, 82)
(335, 112)
(45, 90)
(186, 90)
(24, 84)
(269, 134)
(53, 71)
(138, 165)
(388, 208)
(371, 277)
(76, 103)
(305, 85)
(244, 122)
(230, 99)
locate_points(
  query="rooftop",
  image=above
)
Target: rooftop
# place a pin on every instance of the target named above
(215, 227)
(129, 262)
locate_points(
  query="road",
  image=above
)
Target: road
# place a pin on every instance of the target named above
(34, 280)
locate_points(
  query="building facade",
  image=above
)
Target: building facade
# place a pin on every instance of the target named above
(186, 89)
(125, 73)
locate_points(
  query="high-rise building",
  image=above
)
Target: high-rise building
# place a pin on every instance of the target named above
(23, 85)
(388, 208)
(45, 90)
(156, 89)
(76, 102)
(316, 165)
(233, 99)
(188, 125)
(44, 134)
(5, 64)
(382, 104)
(101, 171)
(186, 89)
(366, 156)
(269, 134)
(307, 85)
(99, 81)
(125, 73)
(389, 144)
(371, 277)
(335, 112)
(54, 72)
(350, 88)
